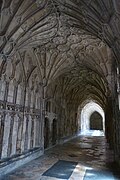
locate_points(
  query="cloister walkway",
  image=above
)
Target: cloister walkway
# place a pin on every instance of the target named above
(82, 158)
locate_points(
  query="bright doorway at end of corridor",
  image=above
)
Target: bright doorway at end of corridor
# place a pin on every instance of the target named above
(91, 120)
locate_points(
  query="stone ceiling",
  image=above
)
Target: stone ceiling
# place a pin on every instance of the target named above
(67, 46)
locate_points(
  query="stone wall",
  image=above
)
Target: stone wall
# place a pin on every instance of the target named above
(116, 112)
(60, 122)
(21, 112)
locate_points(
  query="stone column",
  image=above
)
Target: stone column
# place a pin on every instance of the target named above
(29, 131)
(10, 134)
(42, 122)
(26, 133)
(109, 125)
(35, 132)
(2, 125)
(40, 132)
(32, 132)
(19, 135)
(6, 136)
(14, 135)
(23, 134)
(2, 89)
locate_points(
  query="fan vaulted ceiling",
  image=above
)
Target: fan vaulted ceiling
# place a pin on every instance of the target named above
(68, 46)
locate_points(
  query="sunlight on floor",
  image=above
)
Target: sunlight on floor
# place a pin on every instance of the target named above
(88, 173)
(92, 133)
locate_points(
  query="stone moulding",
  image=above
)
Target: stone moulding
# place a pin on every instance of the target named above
(7, 166)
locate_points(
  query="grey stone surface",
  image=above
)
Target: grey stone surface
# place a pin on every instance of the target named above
(55, 57)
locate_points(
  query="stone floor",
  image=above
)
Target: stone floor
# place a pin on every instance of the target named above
(94, 161)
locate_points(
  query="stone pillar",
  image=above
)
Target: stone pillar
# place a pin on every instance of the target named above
(42, 122)
(10, 134)
(40, 135)
(14, 135)
(32, 132)
(42, 93)
(19, 135)
(23, 134)
(26, 133)
(36, 132)
(50, 131)
(109, 125)
(2, 125)
(6, 136)
(29, 131)
(2, 89)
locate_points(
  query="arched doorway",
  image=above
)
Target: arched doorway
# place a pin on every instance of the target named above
(96, 121)
(92, 116)
(54, 131)
(46, 133)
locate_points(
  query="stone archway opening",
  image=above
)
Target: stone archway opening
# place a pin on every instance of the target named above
(92, 120)
(46, 133)
(54, 131)
(96, 121)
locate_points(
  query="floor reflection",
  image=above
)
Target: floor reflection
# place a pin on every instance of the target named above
(92, 133)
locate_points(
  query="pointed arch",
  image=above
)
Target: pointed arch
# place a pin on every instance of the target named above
(86, 113)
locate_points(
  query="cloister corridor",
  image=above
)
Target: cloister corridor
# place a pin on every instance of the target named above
(59, 89)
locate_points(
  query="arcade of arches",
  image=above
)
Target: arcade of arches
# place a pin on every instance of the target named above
(55, 57)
